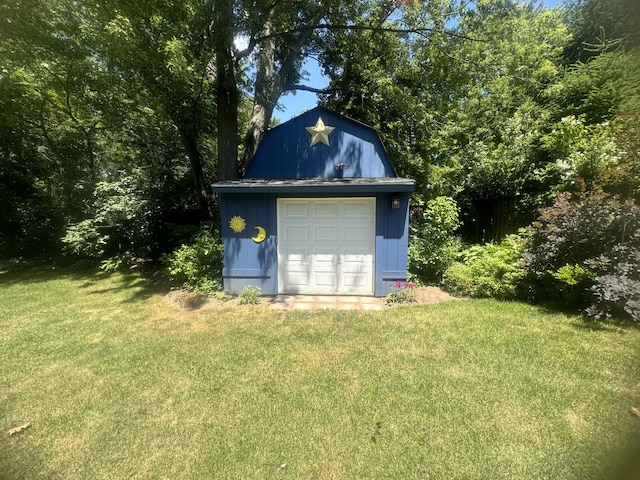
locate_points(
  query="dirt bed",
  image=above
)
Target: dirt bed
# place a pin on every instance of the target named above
(194, 301)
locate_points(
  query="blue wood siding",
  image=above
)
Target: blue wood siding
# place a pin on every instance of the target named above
(392, 240)
(285, 151)
(245, 261)
(256, 264)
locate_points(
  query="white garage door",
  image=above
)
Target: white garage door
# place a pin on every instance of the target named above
(326, 246)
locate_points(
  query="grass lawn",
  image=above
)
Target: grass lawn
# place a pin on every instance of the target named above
(118, 383)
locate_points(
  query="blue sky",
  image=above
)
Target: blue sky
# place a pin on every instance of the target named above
(294, 104)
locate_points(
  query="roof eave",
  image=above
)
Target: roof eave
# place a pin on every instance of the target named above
(342, 186)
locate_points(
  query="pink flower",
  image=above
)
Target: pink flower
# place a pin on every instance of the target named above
(399, 284)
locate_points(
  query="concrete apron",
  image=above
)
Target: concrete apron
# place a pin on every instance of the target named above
(330, 302)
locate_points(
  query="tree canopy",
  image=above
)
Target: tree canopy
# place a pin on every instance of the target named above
(116, 116)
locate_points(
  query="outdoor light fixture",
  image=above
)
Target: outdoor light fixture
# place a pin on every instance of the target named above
(395, 203)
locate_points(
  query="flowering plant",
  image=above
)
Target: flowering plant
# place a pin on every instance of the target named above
(402, 292)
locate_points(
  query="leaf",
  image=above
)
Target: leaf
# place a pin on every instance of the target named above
(19, 428)
(635, 411)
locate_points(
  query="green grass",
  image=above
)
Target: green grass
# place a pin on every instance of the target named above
(117, 383)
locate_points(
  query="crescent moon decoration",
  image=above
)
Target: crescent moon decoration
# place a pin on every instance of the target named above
(262, 234)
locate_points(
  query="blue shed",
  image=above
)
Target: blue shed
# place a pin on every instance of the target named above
(320, 210)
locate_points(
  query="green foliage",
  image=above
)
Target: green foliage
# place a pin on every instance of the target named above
(250, 295)
(624, 179)
(433, 243)
(595, 24)
(583, 151)
(84, 239)
(573, 275)
(597, 90)
(117, 262)
(197, 265)
(122, 224)
(489, 271)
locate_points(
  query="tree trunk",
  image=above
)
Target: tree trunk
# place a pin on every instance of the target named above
(200, 183)
(227, 92)
(263, 100)
(270, 84)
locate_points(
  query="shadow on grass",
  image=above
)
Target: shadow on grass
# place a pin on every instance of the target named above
(580, 321)
(609, 325)
(139, 285)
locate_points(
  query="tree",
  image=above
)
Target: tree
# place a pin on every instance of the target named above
(597, 26)
(81, 122)
(461, 106)
(398, 76)
(99, 81)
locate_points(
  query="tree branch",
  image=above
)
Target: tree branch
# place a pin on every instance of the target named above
(370, 28)
(289, 88)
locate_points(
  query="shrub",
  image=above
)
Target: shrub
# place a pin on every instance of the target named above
(433, 245)
(197, 265)
(401, 293)
(618, 290)
(583, 250)
(583, 150)
(489, 271)
(578, 227)
(117, 262)
(250, 295)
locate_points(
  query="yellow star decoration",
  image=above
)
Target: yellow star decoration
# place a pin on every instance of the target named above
(320, 132)
(237, 224)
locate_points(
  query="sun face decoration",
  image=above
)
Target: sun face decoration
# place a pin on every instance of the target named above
(237, 224)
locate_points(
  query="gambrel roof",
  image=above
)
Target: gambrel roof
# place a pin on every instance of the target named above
(320, 144)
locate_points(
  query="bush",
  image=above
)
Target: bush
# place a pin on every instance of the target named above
(489, 271)
(122, 225)
(578, 227)
(197, 265)
(400, 293)
(618, 290)
(250, 295)
(583, 250)
(433, 245)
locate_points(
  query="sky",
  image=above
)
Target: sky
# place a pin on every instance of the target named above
(294, 103)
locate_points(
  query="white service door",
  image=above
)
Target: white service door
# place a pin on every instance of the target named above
(326, 246)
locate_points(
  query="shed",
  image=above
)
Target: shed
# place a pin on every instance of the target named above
(320, 210)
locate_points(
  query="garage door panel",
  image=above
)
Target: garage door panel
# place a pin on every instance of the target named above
(331, 249)
(295, 256)
(354, 260)
(325, 233)
(325, 280)
(296, 210)
(355, 281)
(324, 259)
(357, 210)
(297, 233)
(357, 233)
(297, 279)
(326, 211)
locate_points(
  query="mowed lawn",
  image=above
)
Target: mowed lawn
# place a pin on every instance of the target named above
(118, 383)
